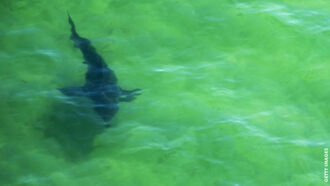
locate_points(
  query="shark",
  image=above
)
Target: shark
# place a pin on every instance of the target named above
(101, 84)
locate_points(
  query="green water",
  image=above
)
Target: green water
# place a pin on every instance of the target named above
(234, 93)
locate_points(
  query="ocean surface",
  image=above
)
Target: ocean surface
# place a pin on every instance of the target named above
(234, 93)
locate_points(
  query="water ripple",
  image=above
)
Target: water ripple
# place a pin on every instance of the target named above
(307, 19)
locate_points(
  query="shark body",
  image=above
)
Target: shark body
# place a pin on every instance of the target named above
(101, 82)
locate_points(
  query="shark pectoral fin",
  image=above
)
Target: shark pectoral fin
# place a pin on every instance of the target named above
(129, 95)
(136, 91)
(73, 91)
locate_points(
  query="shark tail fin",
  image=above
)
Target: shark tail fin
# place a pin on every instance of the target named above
(74, 34)
(73, 91)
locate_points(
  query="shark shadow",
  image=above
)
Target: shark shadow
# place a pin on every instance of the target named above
(73, 129)
(101, 82)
